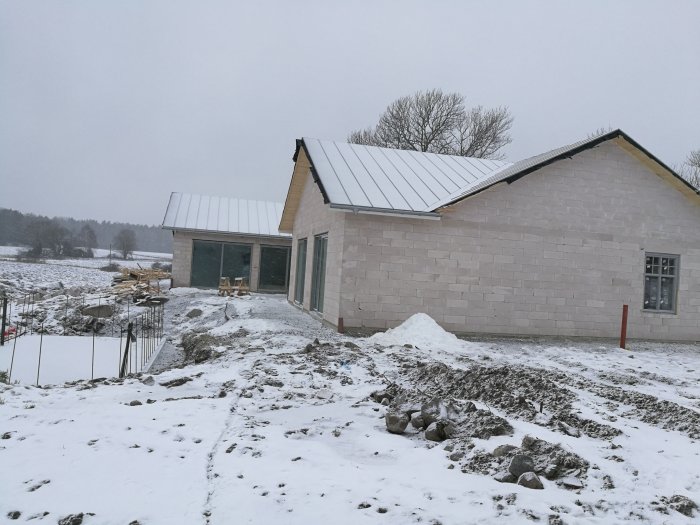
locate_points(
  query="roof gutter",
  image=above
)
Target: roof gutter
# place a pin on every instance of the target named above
(365, 210)
(217, 232)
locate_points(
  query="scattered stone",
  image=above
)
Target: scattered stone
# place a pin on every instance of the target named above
(176, 382)
(364, 505)
(572, 482)
(530, 480)
(417, 421)
(440, 430)
(351, 345)
(396, 422)
(503, 450)
(6, 435)
(273, 382)
(520, 464)
(71, 519)
(505, 477)
(382, 510)
(195, 312)
(148, 381)
(14, 514)
(456, 456)
(135, 403)
(682, 504)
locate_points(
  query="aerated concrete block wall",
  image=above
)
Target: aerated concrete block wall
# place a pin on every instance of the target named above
(312, 218)
(557, 252)
(182, 252)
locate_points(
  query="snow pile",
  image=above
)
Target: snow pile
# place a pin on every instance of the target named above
(419, 330)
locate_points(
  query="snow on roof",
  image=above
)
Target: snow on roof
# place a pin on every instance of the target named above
(356, 175)
(222, 215)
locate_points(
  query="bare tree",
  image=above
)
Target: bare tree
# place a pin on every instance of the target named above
(600, 131)
(438, 122)
(125, 242)
(690, 169)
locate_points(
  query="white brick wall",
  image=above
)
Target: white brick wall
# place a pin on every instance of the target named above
(557, 252)
(182, 252)
(313, 218)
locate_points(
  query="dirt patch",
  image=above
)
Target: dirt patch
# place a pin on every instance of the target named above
(652, 410)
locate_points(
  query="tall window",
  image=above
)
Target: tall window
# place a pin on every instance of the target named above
(660, 282)
(300, 275)
(318, 282)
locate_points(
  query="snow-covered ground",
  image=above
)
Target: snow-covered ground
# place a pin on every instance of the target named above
(277, 423)
(67, 358)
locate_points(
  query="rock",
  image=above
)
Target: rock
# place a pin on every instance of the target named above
(101, 311)
(14, 514)
(456, 456)
(551, 471)
(682, 504)
(351, 345)
(519, 464)
(502, 450)
(396, 422)
(275, 383)
(505, 477)
(176, 382)
(572, 482)
(440, 430)
(201, 355)
(135, 403)
(6, 435)
(148, 381)
(417, 421)
(528, 442)
(71, 519)
(195, 312)
(432, 433)
(530, 481)
(435, 409)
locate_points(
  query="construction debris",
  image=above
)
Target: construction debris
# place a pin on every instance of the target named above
(143, 285)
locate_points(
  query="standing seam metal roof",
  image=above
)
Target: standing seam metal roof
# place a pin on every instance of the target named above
(223, 215)
(391, 179)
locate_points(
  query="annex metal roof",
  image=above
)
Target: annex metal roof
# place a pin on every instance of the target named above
(202, 213)
(359, 176)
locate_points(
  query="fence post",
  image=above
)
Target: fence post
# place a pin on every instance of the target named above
(14, 346)
(129, 336)
(623, 327)
(4, 320)
(38, 365)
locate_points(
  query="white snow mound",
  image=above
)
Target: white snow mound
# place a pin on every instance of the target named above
(419, 330)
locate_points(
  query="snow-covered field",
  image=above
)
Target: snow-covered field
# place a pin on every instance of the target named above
(283, 421)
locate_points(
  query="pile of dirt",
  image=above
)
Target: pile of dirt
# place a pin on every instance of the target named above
(520, 391)
(200, 346)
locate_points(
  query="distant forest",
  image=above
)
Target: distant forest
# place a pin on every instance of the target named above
(18, 229)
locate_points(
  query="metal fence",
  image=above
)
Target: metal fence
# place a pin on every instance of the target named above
(140, 329)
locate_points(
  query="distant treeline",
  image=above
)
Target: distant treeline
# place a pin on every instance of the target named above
(20, 229)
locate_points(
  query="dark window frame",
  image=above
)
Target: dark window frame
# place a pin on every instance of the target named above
(654, 270)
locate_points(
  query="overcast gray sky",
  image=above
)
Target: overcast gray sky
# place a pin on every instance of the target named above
(108, 106)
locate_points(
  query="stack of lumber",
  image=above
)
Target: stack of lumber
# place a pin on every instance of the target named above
(139, 283)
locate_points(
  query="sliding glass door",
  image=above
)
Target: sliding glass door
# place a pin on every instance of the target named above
(300, 275)
(213, 260)
(318, 280)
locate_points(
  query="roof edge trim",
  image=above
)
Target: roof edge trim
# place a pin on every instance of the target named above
(386, 211)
